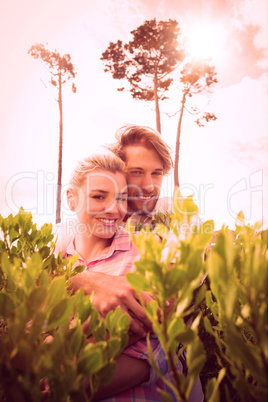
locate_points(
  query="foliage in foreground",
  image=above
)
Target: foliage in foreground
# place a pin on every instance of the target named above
(219, 311)
(220, 302)
(44, 352)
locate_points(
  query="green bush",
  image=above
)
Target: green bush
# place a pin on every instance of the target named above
(220, 303)
(44, 352)
(210, 300)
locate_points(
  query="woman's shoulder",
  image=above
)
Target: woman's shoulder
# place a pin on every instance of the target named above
(63, 234)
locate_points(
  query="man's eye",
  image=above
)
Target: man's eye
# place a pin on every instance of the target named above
(158, 173)
(136, 172)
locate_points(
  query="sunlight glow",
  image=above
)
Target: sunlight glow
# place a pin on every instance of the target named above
(206, 40)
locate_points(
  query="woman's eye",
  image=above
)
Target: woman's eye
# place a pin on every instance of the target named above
(98, 197)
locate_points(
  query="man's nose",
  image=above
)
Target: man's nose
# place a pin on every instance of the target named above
(147, 183)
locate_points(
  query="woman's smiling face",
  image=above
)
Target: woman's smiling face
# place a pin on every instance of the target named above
(100, 203)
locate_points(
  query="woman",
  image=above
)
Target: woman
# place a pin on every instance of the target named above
(98, 195)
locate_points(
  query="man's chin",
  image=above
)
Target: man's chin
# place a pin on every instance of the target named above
(142, 208)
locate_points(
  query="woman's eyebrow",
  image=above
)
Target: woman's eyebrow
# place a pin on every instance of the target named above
(104, 191)
(99, 191)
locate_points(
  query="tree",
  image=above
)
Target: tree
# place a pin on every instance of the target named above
(62, 70)
(146, 61)
(197, 76)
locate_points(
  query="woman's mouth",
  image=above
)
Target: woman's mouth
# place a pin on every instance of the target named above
(107, 222)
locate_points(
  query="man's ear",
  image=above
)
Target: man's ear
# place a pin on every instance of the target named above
(71, 200)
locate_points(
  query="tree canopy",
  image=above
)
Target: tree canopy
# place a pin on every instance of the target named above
(146, 61)
(55, 62)
(196, 76)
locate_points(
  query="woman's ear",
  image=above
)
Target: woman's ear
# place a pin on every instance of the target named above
(71, 200)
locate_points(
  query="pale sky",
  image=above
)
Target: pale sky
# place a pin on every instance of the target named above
(224, 163)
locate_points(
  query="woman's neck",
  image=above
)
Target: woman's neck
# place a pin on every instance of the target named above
(90, 248)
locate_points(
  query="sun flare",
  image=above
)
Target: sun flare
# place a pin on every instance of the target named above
(205, 41)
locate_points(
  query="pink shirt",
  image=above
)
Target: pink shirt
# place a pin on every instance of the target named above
(118, 261)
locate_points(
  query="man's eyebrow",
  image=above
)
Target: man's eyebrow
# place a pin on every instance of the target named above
(141, 169)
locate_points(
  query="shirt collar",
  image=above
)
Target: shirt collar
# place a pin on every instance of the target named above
(121, 242)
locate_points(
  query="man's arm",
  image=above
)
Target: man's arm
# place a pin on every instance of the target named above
(112, 291)
(130, 372)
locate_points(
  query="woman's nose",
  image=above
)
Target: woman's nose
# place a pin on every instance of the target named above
(112, 207)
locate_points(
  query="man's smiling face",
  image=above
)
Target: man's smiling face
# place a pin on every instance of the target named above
(144, 178)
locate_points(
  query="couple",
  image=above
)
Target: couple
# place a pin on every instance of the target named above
(99, 190)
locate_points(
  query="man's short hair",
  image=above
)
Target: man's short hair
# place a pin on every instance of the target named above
(130, 135)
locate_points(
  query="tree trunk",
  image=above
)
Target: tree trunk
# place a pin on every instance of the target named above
(178, 138)
(58, 208)
(156, 100)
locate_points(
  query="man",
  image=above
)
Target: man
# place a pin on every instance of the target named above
(147, 159)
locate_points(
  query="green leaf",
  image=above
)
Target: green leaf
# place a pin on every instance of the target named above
(241, 218)
(6, 264)
(76, 340)
(44, 279)
(94, 321)
(208, 326)
(46, 229)
(113, 348)
(37, 325)
(99, 332)
(44, 251)
(56, 291)
(175, 279)
(37, 298)
(194, 266)
(242, 352)
(78, 269)
(189, 207)
(195, 357)
(82, 305)
(186, 336)
(138, 282)
(175, 327)
(6, 305)
(60, 313)
(206, 233)
(151, 309)
(212, 387)
(123, 323)
(90, 361)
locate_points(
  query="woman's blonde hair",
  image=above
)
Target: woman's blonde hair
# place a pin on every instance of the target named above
(106, 161)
